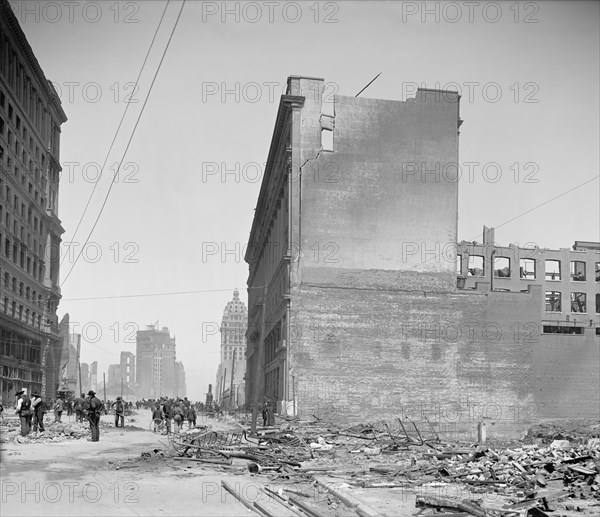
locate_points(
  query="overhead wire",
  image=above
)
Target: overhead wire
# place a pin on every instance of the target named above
(128, 143)
(119, 126)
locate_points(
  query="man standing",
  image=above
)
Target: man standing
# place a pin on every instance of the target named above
(191, 417)
(39, 409)
(59, 407)
(79, 403)
(94, 409)
(24, 412)
(119, 412)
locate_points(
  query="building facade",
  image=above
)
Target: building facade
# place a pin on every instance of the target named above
(232, 367)
(353, 307)
(566, 356)
(155, 363)
(30, 230)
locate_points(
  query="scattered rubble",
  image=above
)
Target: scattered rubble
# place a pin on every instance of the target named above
(562, 473)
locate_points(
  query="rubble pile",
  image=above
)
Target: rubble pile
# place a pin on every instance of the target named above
(553, 473)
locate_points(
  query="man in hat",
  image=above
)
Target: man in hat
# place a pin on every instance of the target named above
(94, 409)
(24, 412)
(39, 409)
(119, 412)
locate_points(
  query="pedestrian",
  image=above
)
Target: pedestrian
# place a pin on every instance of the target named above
(157, 417)
(167, 414)
(24, 411)
(59, 407)
(119, 412)
(69, 405)
(79, 403)
(178, 418)
(265, 415)
(93, 413)
(39, 410)
(191, 417)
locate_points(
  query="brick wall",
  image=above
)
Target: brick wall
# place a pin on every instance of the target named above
(361, 355)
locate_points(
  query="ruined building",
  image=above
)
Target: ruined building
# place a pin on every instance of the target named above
(155, 363)
(565, 334)
(230, 384)
(30, 230)
(353, 309)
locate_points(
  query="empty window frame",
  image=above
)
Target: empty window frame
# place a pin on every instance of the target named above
(553, 301)
(597, 303)
(502, 267)
(578, 302)
(527, 268)
(476, 265)
(553, 329)
(552, 269)
(459, 264)
(597, 270)
(577, 271)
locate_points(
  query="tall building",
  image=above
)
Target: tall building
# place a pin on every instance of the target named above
(69, 360)
(30, 230)
(85, 378)
(232, 367)
(180, 385)
(354, 311)
(128, 368)
(94, 384)
(155, 363)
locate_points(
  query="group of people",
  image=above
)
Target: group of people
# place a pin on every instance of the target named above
(31, 411)
(176, 410)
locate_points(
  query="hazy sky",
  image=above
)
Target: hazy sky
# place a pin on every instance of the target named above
(528, 74)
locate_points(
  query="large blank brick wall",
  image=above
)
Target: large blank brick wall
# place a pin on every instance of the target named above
(366, 354)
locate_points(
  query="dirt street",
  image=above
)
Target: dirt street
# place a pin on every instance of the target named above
(78, 477)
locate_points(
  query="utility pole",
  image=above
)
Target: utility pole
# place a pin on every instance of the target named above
(231, 385)
(259, 374)
(79, 366)
(104, 379)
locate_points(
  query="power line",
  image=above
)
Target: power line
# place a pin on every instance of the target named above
(144, 295)
(164, 293)
(118, 127)
(128, 143)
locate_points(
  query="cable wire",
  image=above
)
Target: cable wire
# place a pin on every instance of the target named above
(128, 143)
(118, 128)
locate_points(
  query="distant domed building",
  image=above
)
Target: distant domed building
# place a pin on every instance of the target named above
(230, 387)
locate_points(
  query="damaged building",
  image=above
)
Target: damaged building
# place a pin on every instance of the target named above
(565, 335)
(353, 307)
(31, 116)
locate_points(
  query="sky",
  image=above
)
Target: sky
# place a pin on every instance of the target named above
(180, 211)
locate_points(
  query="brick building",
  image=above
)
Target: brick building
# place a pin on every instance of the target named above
(566, 357)
(30, 230)
(232, 367)
(353, 310)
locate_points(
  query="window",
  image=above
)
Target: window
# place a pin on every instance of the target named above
(552, 269)
(597, 268)
(577, 271)
(597, 303)
(553, 301)
(476, 266)
(527, 268)
(554, 329)
(578, 302)
(459, 264)
(502, 267)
